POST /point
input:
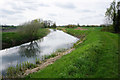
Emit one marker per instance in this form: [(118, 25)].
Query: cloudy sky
[(60, 11)]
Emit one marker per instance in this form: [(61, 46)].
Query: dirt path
[(48, 62), (79, 28), (9, 30)]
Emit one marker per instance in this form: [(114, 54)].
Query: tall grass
[(18, 70)]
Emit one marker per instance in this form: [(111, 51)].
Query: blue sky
[(60, 11)]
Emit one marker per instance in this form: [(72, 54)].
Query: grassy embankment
[(96, 57), (10, 39)]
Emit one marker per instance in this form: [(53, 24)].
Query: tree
[(118, 16), (47, 23), (54, 25), (112, 15), (78, 25)]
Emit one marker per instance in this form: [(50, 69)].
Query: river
[(55, 40)]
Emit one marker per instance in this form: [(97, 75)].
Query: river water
[(55, 40)]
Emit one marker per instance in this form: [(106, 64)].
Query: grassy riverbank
[(96, 57), (10, 39), (20, 70)]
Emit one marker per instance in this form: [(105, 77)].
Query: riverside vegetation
[(24, 33), (96, 57), (18, 71), (10, 39)]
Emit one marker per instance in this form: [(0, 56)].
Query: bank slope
[(96, 57), (11, 39)]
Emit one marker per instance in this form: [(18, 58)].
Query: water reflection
[(30, 50), (54, 29)]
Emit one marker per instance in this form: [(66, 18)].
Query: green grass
[(96, 57), (10, 39)]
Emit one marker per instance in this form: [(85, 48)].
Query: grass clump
[(50, 56), (18, 70), (56, 53), (38, 61)]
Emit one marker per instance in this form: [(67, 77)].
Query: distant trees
[(8, 27), (54, 25), (74, 26), (46, 23), (71, 26), (113, 15), (78, 25)]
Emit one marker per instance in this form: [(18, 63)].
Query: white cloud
[(60, 11), (66, 5)]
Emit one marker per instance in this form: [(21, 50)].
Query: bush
[(30, 29), (108, 29)]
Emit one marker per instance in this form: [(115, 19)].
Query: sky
[(63, 12)]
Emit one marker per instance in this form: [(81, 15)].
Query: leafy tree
[(54, 25), (112, 15)]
